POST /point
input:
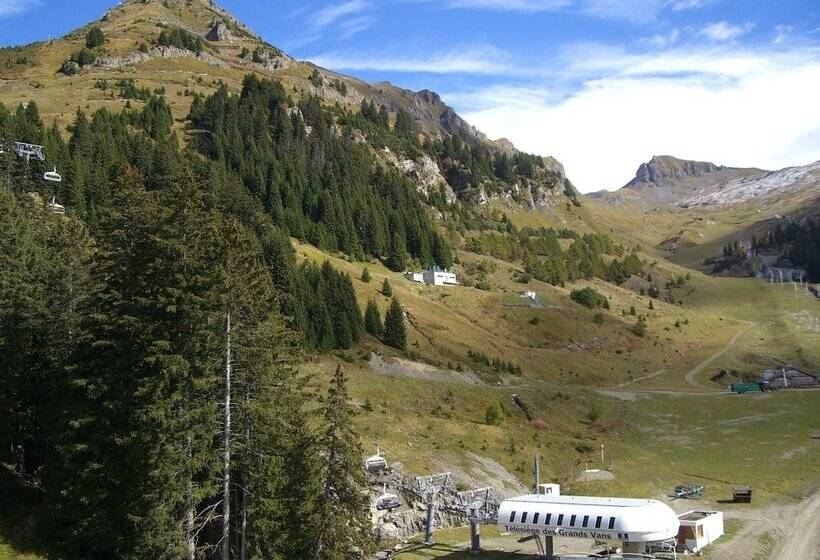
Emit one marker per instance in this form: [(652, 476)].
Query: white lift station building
[(637, 524)]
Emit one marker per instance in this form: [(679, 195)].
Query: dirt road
[(691, 375), (794, 528)]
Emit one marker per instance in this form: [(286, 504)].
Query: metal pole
[(431, 516), (475, 536), (537, 472), (548, 546)]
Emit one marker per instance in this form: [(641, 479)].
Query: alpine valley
[(206, 324)]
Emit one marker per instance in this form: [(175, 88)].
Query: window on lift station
[(524, 517), (598, 522), (611, 523), (586, 521), (547, 519), (560, 519), (512, 517), (572, 521), (535, 517)]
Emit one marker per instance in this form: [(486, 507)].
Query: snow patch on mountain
[(759, 186)]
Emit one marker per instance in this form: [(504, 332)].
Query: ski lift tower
[(428, 488), (480, 506), (27, 151)]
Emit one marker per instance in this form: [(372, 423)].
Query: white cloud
[(724, 31), (466, 60), (782, 33), (683, 5), (508, 5), (733, 108), (14, 7), (349, 17), (633, 10), (332, 13), (663, 40)]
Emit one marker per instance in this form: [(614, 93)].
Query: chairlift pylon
[(52, 176), (375, 463), (25, 150)]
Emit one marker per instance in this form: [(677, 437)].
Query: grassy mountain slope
[(427, 407)]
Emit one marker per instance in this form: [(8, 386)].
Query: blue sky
[(601, 84)]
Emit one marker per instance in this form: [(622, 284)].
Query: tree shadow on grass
[(446, 552)]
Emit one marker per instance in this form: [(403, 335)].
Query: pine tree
[(343, 528), (365, 275), (397, 251), (395, 334), (372, 319), (387, 289)]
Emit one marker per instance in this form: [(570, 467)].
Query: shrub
[(589, 297), (84, 57), (495, 415), (316, 78), (640, 327), (70, 68), (598, 319), (94, 38)]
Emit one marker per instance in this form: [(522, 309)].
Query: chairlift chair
[(56, 207), (52, 176), (387, 501), (375, 463)]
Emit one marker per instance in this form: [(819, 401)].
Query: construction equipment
[(688, 490)]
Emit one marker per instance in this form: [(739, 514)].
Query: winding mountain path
[(691, 375)]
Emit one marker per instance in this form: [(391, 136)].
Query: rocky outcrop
[(660, 170), (219, 33), (424, 172), (136, 57)]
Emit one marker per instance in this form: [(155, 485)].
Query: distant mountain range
[(666, 182)]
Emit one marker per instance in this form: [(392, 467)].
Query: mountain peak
[(661, 169)]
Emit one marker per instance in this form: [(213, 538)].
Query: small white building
[(440, 277), (434, 277), (699, 529)]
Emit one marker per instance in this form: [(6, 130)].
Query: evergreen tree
[(365, 275), (94, 38), (373, 319), (395, 334), (387, 289), (343, 521), (397, 251), (640, 327)]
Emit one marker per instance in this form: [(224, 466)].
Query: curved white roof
[(601, 518)]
